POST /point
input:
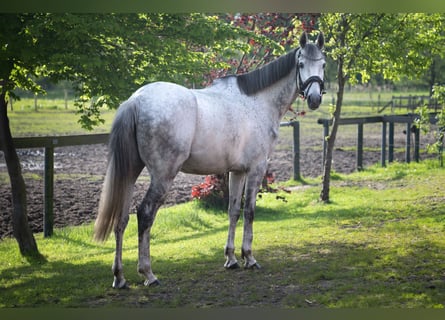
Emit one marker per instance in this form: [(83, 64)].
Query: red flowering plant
[(211, 184), (268, 179), (214, 191)]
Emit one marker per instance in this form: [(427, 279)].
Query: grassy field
[(379, 244), (51, 118)]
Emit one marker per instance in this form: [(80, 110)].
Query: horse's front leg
[(252, 187), (236, 186)]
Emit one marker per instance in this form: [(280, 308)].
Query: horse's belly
[(211, 164)]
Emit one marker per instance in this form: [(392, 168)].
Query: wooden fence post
[(383, 152), (49, 143), (416, 144), (296, 146), (391, 142), (48, 214), (296, 156), (408, 143), (325, 142), (359, 156)]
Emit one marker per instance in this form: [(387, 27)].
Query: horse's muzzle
[(314, 101)]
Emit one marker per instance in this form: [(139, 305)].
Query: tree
[(436, 73), (106, 57), (424, 122), (391, 44), (262, 37)]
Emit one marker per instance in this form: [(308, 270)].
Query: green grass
[(51, 118), (380, 243)]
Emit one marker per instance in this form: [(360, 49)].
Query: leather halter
[(302, 87)]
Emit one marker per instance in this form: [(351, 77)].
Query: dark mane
[(256, 80)]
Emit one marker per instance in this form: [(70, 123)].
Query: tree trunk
[(324, 195), (20, 226), (432, 80)]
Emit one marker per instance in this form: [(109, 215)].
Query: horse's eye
[(301, 65), (324, 65)]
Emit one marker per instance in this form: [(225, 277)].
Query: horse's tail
[(119, 180)]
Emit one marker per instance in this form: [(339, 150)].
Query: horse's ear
[(303, 40), (320, 40)]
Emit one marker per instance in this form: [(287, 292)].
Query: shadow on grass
[(324, 212), (52, 284), (338, 270), (326, 274)]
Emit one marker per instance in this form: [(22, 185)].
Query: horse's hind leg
[(119, 280), (146, 214)]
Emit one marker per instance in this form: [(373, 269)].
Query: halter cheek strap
[(302, 87)]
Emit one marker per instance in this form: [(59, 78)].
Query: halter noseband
[(302, 87)]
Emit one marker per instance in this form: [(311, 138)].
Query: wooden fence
[(49, 143), (386, 121), (411, 103)]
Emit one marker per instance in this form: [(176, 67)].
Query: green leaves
[(394, 45), (438, 130), (108, 56)]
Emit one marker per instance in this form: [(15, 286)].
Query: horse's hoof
[(231, 266), (256, 265), (154, 283), (122, 285)]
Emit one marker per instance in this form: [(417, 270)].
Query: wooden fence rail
[(411, 103)]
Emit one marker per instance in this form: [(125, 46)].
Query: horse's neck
[(280, 95)]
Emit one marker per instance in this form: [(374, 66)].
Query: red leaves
[(270, 177), (309, 21), (301, 113), (211, 184)]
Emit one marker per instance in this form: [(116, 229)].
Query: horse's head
[(310, 70)]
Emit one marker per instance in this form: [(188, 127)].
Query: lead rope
[(297, 112)]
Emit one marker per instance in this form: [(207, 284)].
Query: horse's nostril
[(313, 101)]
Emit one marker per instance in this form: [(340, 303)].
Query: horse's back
[(164, 98)]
